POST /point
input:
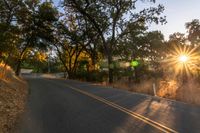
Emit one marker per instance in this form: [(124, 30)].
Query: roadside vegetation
[(108, 42), (13, 94)]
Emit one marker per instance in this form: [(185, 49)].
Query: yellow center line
[(129, 112)]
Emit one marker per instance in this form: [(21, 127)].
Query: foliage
[(194, 31), (89, 39), (28, 25), (107, 20)]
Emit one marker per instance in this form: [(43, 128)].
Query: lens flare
[(183, 59)]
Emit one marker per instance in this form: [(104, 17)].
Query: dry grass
[(13, 92), (131, 86), (188, 92), (6, 72), (168, 89)]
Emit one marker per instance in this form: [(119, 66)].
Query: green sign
[(134, 63)]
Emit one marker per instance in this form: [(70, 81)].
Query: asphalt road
[(67, 106)]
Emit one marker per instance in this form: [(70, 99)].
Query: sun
[(183, 58)]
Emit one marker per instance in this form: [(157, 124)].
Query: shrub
[(5, 71)]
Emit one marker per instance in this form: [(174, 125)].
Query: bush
[(93, 76), (5, 71)]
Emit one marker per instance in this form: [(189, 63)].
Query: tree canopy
[(89, 37)]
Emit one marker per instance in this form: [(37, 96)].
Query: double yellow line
[(129, 112)]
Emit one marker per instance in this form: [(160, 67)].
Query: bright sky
[(178, 12)]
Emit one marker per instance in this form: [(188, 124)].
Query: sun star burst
[(184, 59)]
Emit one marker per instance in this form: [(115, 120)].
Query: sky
[(177, 13)]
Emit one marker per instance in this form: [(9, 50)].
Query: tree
[(107, 19), (139, 45), (36, 59), (8, 28), (69, 56), (92, 44), (35, 21), (73, 38), (155, 45), (67, 41), (177, 39), (8, 41), (193, 29), (131, 44), (8, 10)]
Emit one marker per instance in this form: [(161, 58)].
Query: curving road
[(67, 106)]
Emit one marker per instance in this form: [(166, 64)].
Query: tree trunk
[(93, 62), (17, 72), (19, 61), (110, 68), (136, 71), (70, 75), (93, 65)]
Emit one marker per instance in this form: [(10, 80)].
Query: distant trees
[(93, 27), (8, 28), (25, 25), (191, 39), (107, 19), (69, 41), (194, 31), (35, 21), (82, 34)]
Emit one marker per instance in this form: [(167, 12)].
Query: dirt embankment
[(13, 94)]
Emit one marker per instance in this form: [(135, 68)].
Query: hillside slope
[(13, 93)]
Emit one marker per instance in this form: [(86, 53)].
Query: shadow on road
[(53, 107)]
